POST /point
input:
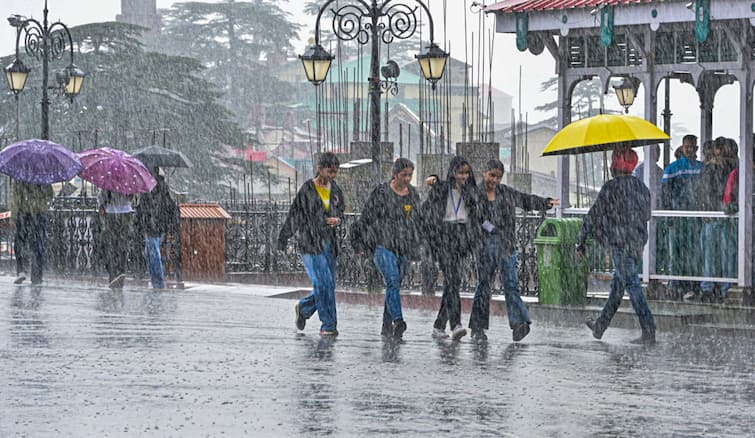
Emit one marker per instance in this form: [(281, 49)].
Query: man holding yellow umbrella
[(619, 216)]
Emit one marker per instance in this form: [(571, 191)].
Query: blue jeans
[(154, 261), (490, 259), (717, 249), (625, 277), (321, 269), (392, 267), (31, 233)]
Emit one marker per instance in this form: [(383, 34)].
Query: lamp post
[(371, 22), (626, 91), (48, 42)]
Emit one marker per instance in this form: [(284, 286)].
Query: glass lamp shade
[(625, 93), (316, 61), (75, 81), (432, 62), (16, 74)]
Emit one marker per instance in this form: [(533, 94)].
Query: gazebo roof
[(511, 6)]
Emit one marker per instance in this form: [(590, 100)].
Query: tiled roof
[(511, 6), (203, 211)]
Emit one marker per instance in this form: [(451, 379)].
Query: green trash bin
[(562, 275)]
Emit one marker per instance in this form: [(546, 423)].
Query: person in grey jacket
[(618, 220)]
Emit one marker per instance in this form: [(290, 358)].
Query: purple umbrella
[(39, 162), (116, 171)]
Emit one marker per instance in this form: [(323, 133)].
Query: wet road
[(81, 361)]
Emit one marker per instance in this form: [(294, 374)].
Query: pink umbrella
[(116, 171)]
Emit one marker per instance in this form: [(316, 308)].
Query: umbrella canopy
[(156, 156), (39, 162), (603, 132), (116, 171)]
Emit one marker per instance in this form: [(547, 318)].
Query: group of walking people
[(154, 215), (457, 219)]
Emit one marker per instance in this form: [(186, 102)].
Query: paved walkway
[(225, 360)]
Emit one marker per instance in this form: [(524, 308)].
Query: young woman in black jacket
[(497, 216), (389, 227), (313, 217), (449, 223)]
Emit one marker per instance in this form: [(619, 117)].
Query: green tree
[(232, 40), (128, 95), (585, 100)]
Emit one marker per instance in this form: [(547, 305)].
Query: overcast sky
[(449, 28)]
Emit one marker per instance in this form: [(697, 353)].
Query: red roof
[(203, 211), (510, 6), (252, 155)]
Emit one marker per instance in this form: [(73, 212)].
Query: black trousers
[(456, 247), (116, 238)]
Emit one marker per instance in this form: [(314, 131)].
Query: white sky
[(507, 58)]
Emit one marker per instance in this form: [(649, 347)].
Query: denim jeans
[(31, 229), (154, 261), (625, 277), (321, 269), (393, 268), (717, 250), (491, 258)]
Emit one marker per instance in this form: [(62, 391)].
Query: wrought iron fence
[(73, 248), (251, 238)]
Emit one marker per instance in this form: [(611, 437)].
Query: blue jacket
[(679, 184)]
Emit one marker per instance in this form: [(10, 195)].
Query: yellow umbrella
[(603, 132)]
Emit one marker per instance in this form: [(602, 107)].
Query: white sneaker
[(439, 334), (20, 278), (458, 333)]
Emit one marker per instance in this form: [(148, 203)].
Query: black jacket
[(306, 219), (618, 218), (157, 212), (434, 209), (502, 212), (390, 221)]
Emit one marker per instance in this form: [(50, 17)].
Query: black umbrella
[(156, 156)]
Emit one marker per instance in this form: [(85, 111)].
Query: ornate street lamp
[(372, 22), (626, 91), (48, 42)]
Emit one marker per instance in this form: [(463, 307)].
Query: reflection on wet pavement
[(85, 361)]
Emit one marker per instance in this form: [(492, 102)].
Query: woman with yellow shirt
[(313, 217)]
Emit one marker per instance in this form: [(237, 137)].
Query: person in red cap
[(618, 221)]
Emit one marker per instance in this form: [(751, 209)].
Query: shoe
[(479, 335), (329, 332), (458, 333), (20, 278), (399, 327), (386, 331), (117, 282), (300, 320), (643, 340), (591, 325), (439, 334), (520, 331)]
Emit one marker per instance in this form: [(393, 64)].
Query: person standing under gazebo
[(29, 208)]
